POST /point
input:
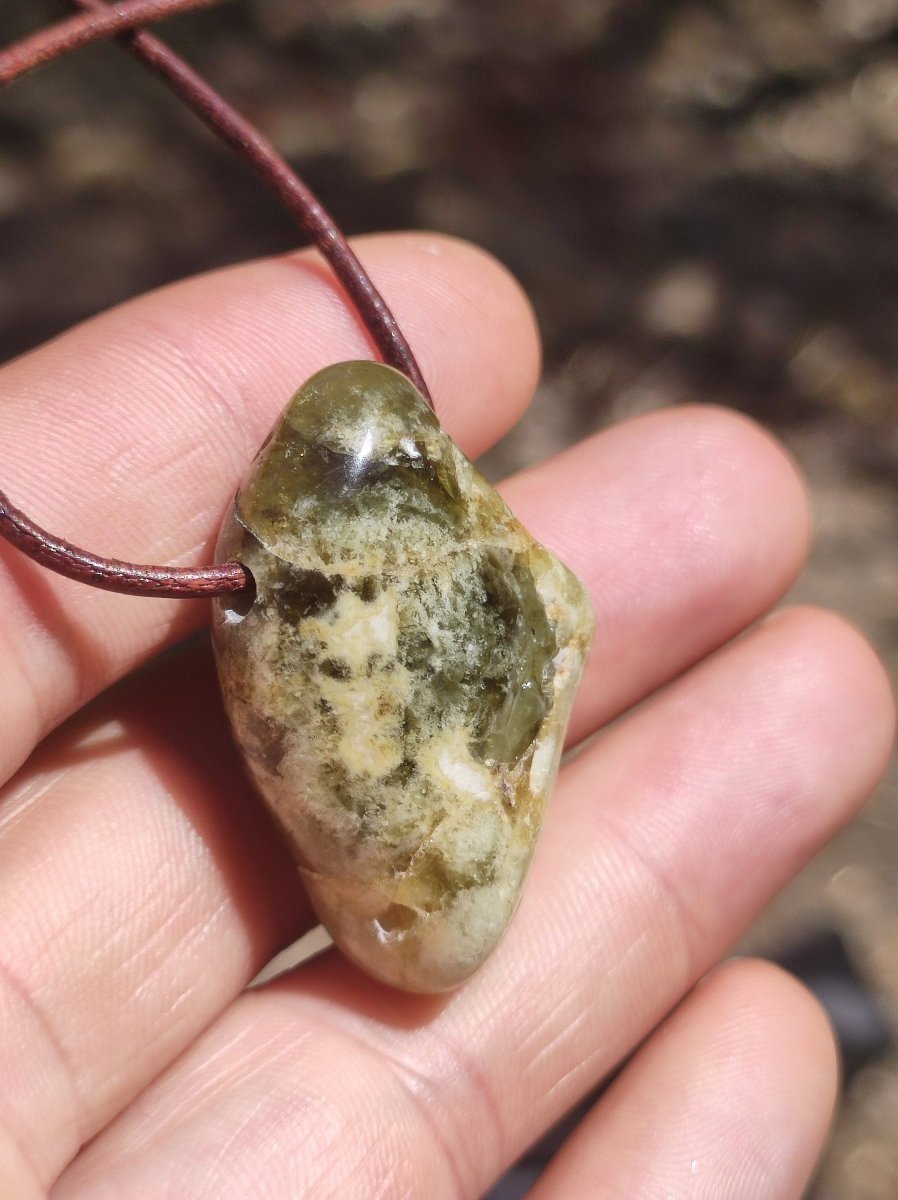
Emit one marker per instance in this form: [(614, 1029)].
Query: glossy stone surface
[(401, 684)]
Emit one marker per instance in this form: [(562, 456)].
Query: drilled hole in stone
[(237, 605), (395, 922)]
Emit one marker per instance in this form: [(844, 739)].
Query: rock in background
[(700, 198)]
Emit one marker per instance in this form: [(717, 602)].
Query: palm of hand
[(141, 887)]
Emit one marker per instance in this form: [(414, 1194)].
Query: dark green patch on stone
[(403, 773), (445, 884), (517, 688), (335, 668), (302, 474), (267, 739), (306, 593), (367, 589), (491, 669), (363, 393)]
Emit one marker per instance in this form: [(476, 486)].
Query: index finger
[(129, 434)]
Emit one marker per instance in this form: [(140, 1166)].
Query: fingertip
[(852, 693), (773, 1016), (784, 1053), (733, 1094), (720, 490), (752, 472), (684, 525)]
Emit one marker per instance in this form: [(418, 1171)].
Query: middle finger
[(131, 850)]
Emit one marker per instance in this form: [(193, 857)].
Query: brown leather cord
[(95, 23), (101, 20), (112, 574)]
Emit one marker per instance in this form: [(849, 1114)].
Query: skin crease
[(141, 885)]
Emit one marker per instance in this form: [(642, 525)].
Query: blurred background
[(701, 199)]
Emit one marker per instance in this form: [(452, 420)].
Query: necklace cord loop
[(95, 20)]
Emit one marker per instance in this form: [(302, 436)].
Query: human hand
[(142, 886)]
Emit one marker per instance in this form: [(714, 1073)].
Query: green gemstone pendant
[(401, 683)]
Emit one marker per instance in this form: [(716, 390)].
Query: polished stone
[(401, 683)]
